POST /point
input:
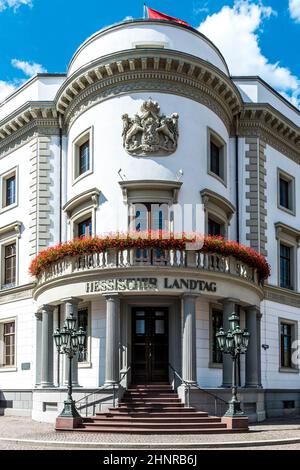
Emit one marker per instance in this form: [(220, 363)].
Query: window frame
[(289, 237), (81, 139), (294, 337), (10, 368), (88, 363), (3, 179), (212, 364), (281, 174), (218, 141), (3, 244), (81, 217)]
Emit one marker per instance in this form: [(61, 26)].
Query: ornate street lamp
[(234, 342), (70, 342)]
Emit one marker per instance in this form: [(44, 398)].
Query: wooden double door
[(150, 344)]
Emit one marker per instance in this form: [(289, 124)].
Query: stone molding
[(91, 195), (209, 195), (40, 194), (281, 295), (151, 190), (16, 293), (14, 227), (256, 196), (263, 121), (293, 233), (154, 66)]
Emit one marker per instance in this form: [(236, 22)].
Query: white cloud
[(28, 68), (6, 88), (294, 7), (14, 4), (235, 31)]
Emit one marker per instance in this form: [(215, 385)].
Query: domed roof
[(147, 33)]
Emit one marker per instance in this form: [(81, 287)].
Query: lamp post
[(70, 342), (234, 342)]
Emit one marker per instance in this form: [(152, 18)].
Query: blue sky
[(40, 35)]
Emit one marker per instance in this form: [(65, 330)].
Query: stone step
[(155, 412), (134, 430), (159, 419), (166, 426), (179, 408), (150, 399), (151, 404)]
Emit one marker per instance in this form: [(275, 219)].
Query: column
[(258, 335), (252, 354), (38, 348), (112, 367), (189, 369), (228, 310), (47, 346), (71, 308)]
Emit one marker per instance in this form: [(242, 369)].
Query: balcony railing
[(140, 257)]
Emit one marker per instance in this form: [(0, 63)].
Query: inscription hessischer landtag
[(150, 284)]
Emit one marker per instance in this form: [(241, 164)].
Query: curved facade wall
[(109, 155), (117, 38)]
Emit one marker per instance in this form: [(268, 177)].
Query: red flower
[(150, 239)]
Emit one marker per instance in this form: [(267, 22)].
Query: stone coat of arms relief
[(150, 132)]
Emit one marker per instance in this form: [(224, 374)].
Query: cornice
[(138, 69), (209, 195), (281, 295), (276, 129), (24, 120), (89, 195)]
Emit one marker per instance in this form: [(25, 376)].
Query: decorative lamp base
[(69, 418), (236, 423)]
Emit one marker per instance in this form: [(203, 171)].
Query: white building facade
[(75, 161)]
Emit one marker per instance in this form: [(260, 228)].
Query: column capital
[(112, 296), (192, 295), (71, 300), (253, 308), (38, 315), (230, 300), (46, 308)]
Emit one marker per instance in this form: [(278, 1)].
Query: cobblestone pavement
[(25, 428)]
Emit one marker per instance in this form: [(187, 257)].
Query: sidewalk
[(23, 433)]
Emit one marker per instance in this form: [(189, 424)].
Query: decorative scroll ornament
[(149, 132)]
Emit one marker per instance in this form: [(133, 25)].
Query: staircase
[(153, 409)]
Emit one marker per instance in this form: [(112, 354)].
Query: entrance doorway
[(150, 344)]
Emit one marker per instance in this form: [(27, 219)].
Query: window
[(285, 266), (148, 216), (216, 156), (286, 192), (84, 157), (214, 228), (286, 345), (83, 318), (217, 323), (8, 341), (10, 190), (85, 228), (10, 264)]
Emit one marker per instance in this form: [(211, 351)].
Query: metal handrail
[(195, 385), (104, 387)]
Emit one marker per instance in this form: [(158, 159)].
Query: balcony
[(145, 258), (172, 266)]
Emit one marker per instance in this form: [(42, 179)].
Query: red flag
[(154, 14)]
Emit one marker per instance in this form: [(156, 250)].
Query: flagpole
[(145, 11)]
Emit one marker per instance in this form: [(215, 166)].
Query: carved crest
[(149, 132)]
